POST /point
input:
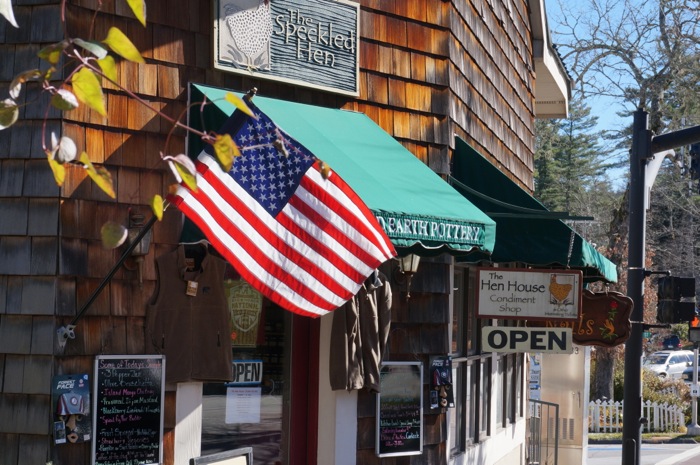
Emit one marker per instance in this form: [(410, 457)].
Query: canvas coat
[(359, 335), (193, 331)]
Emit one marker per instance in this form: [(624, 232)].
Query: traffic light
[(695, 161), (676, 300)]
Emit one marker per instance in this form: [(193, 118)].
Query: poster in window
[(400, 409), (245, 306)]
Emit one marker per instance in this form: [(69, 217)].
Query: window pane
[(456, 415), (485, 395), (251, 415)]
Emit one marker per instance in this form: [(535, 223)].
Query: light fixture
[(408, 266), (137, 221)]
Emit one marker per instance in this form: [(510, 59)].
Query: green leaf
[(16, 84), (113, 235), (226, 150), (121, 45), (93, 47), (52, 53), (157, 206), (239, 103), (64, 100), (100, 176), (138, 7), (9, 112), (108, 67), (6, 11), (59, 171), (88, 90)]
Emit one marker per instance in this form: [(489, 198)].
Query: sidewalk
[(688, 457)]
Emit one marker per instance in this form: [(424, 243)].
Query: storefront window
[(250, 412)]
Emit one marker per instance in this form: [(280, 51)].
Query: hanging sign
[(527, 294), (512, 339), (312, 43), (604, 320)]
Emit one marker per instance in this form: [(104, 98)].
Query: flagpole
[(68, 332)]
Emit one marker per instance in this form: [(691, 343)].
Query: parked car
[(672, 342), (669, 363), (687, 375)]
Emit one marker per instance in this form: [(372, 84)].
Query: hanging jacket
[(188, 318), (359, 335)]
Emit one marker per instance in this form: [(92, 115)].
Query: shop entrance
[(271, 404)]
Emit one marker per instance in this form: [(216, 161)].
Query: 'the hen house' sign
[(528, 294)]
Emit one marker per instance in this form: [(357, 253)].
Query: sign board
[(242, 456), (128, 409), (695, 390), (246, 373), (512, 339), (604, 320), (400, 409), (312, 43), (527, 294)]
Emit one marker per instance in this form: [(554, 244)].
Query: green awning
[(526, 231), (420, 212)]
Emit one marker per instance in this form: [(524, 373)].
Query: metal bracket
[(64, 333)]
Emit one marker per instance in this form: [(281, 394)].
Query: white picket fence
[(606, 417)]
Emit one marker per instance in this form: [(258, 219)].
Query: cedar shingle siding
[(429, 69)]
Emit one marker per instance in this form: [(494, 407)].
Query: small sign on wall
[(527, 294), (312, 43)]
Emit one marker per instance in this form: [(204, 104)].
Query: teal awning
[(420, 212), (526, 231)]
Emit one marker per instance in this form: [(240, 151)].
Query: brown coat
[(194, 332), (359, 335)]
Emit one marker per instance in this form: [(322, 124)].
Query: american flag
[(304, 241)]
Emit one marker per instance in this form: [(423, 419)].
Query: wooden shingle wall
[(429, 69), (432, 69)]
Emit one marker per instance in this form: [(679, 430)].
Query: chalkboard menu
[(128, 409), (400, 409)]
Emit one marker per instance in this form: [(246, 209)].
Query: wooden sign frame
[(242, 456), (399, 408), (128, 399)]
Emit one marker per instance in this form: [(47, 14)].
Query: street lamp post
[(632, 406), (644, 146)]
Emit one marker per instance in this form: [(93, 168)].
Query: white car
[(669, 363)]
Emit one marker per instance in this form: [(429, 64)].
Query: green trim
[(526, 231), (419, 210)]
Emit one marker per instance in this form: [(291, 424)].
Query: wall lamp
[(136, 223), (408, 266)]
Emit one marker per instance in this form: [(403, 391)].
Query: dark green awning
[(526, 231), (420, 212)]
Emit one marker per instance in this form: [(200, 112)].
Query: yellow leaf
[(113, 235), (100, 176), (59, 171), (138, 7), (239, 103), (87, 88), (157, 206), (121, 45), (9, 112), (52, 53), (226, 150), (186, 176), (108, 67)]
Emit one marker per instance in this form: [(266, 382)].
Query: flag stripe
[(273, 259), (225, 245), (340, 264), (305, 242)]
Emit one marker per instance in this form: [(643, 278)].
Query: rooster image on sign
[(560, 287), (249, 23)]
